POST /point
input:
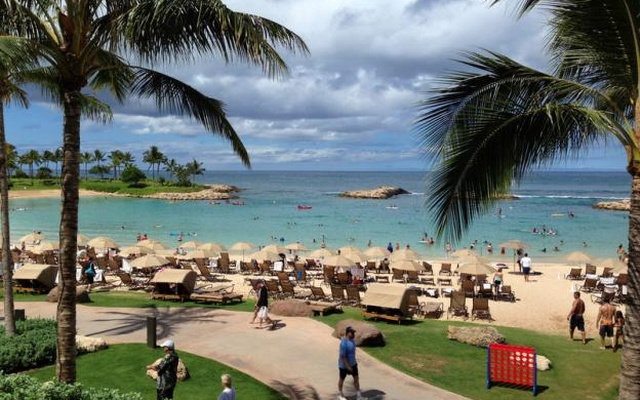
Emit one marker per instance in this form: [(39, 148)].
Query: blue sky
[(349, 105)]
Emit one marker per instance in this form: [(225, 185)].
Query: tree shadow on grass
[(166, 319)]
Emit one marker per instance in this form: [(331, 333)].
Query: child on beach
[(618, 325)]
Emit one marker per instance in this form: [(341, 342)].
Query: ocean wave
[(570, 197)]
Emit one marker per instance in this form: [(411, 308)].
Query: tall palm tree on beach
[(194, 168), (99, 157), (86, 158), (32, 158), (87, 43), (534, 118), (154, 157), (170, 166)]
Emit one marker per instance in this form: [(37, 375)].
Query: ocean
[(270, 214)]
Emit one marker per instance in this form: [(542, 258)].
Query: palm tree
[(116, 161), (154, 158), (57, 158), (170, 166), (86, 42), (86, 158), (31, 158), (47, 157), (99, 157), (127, 159), (194, 168), (534, 118), (12, 159)]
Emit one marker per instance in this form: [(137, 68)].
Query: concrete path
[(300, 352)]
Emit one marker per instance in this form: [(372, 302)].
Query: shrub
[(33, 345), (18, 173), (24, 387), (132, 175)]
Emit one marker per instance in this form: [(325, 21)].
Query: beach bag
[(263, 312), (90, 271)]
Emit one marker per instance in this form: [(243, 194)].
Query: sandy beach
[(38, 194)]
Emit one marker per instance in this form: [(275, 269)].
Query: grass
[(143, 300), (123, 367), (421, 349), (105, 185)]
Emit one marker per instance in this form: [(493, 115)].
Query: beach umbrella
[(190, 245), (617, 265), (32, 237), (376, 253), (338, 261), (578, 257), (149, 261), (45, 246), (241, 246), (102, 242), (151, 244), (321, 253), (464, 253), (348, 249), (135, 250), (356, 256), (218, 248), (82, 239), (476, 268), (263, 255), (275, 248), (404, 254), (514, 244), (295, 246), (202, 253), (407, 265)]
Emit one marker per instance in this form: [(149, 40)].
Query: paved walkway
[(300, 352)]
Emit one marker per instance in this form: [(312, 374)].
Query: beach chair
[(428, 268), (506, 293), (413, 306), (266, 267), (607, 294), (457, 305), (283, 277), (428, 281), (589, 285), (311, 263), (432, 309), (590, 269), (371, 266), (337, 294), (480, 309), (431, 292), (468, 287), (318, 294), (130, 283), (445, 269), (205, 274), (575, 274), (343, 278), (607, 272), (485, 290), (286, 289), (412, 277), (397, 275), (273, 288), (329, 274), (353, 295)]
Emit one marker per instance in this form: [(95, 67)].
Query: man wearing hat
[(347, 363), (167, 371)]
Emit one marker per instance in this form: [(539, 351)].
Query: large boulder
[(86, 344), (481, 336), (291, 308), (82, 295), (182, 373), (367, 335)]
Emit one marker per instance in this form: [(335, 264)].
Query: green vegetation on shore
[(123, 367), (143, 188)]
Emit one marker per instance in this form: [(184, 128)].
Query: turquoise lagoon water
[(270, 213)]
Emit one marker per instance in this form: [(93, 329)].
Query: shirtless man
[(575, 317), (605, 322)]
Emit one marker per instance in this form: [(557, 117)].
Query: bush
[(18, 173), (33, 345), (43, 173), (132, 175), (24, 387)]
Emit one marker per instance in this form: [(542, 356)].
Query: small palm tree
[(490, 123), (154, 157), (86, 158), (194, 168), (170, 166), (117, 159), (99, 157), (31, 158)]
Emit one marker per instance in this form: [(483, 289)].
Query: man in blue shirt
[(347, 363)]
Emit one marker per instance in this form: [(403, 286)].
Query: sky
[(348, 105)]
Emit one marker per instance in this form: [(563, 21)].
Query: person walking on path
[(167, 371), (576, 317), (228, 391), (262, 306), (605, 321), (525, 263), (347, 363)]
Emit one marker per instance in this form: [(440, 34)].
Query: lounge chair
[(287, 289), (607, 272), (329, 275), (431, 292), (485, 290), (132, 284), (353, 295), (468, 287), (427, 281), (575, 274), (413, 306), (457, 305), (266, 267), (431, 309), (371, 266), (318, 294), (337, 294), (445, 269), (480, 308), (219, 294), (273, 289), (589, 285), (428, 268), (412, 277), (444, 281), (205, 274), (398, 275), (282, 276), (343, 278), (590, 269), (608, 294), (311, 263), (506, 293)]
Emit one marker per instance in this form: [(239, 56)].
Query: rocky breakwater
[(212, 192), (622, 205), (382, 192)]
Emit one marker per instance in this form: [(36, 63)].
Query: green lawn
[(421, 349), (123, 367), (105, 185)]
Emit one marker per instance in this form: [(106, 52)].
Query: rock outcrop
[(367, 335), (542, 363), (622, 205), (476, 336), (82, 295), (382, 192), (212, 192), (291, 308), (86, 344)]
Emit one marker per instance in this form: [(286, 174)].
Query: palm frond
[(485, 129), (176, 97), (110, 72), (179, 29)]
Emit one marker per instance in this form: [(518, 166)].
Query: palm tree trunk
[(630, 371), (66, 312), (7, 260)]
